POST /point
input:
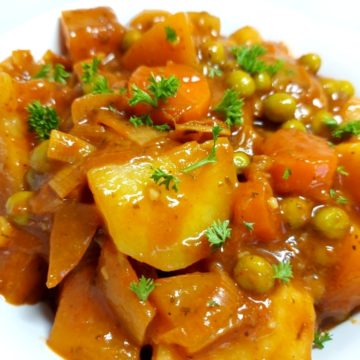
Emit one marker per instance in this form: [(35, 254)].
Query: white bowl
[(330, 28)]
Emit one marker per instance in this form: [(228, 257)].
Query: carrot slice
[(73, 229), (191, 101), (154, 49), (304, 164), (253, 203)]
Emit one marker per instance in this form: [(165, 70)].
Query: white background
[(330, 28)]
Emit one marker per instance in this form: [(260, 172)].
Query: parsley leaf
[(145, 120), (42, 119), (211, 158), (212, 303), (249, 225), (143, 287), (231, 107), (287, 173), (218, 232), (159, 88), (341, 170), (348, 128), (247, 58), (90, 71), (60, 74), (101, 85), (43, 72), (214, 71), (283, 271), (162, 127), (330, 122), (171, 35), (340, 199), (320, 338), (163, 178)]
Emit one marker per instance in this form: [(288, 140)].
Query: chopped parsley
[(218, 232), (160, 88), (347, 129), (214, 71), (145, 120), (283, 271), (42, 119), (213, 303), (287, 173), (171, 35), (231, 106), (341, 170), (249, 225), (161, 177), (90, 71), (101, 85), (211, 158), (143, 287), (247, 58), (320, 338), (340, 199), (50, 73)]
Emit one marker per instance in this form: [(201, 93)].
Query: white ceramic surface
[(330, 28)]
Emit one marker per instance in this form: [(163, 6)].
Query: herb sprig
[(218, 233), (231, 106), (161, 177), (283, 271), (143, 288)]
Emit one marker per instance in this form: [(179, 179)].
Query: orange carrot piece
[(253, 204), (73, 228), (307, 159), (194, 309), (191, 101), (154, 49), (91, 31), (84, 326), (115, 276)]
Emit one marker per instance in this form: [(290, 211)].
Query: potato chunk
[(161, 227)]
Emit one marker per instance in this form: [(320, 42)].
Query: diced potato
[(138, 211), (153, 48), (166, 352), (84, 326), (195, 309), (286, 334), (349, 158), (91, 31), (73, 228), (115, 277), (342, 294), (22, 265)]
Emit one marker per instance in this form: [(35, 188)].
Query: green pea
[(214, 51), (311, 61), (241, 82), (319, 123), (38, 157), (262, 81), (17, 207), (331, 221), (130, 38), (296, 211), (246, 35), (346, 88), (254, 273), (241, 161), (279, 107), (294, 124)]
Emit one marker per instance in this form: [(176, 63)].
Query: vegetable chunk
[(91, 31), (138, 211), (304, 164), (154, 49), (84, 326), (195, 309), (190, 102)]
